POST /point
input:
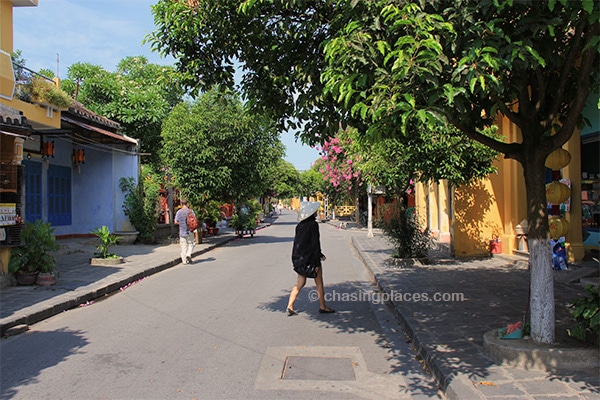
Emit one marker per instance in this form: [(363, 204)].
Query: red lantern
[(48, 149), (78, 156)]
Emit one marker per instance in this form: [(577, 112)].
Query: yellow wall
[(493, 207)]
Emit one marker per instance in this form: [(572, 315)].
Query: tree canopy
[(138, 95), (218, 151), (276, 47), (465, 62)]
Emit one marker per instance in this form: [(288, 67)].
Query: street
[(217, 329)]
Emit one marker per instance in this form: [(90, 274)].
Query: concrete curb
[(525, 354), (455, 387)]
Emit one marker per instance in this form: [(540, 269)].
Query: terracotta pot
[(26, 278), (46, 279)]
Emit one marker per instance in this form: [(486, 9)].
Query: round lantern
[(558, 227), (557, 192), (558, 159)]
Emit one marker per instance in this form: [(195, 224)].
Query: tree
[(465, 62), (312, 181), (138, 95), (378, 65), (277, 47), (218, 151), (284, 182)]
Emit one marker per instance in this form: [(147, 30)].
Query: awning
[(102, 134)]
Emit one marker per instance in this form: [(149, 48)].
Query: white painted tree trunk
[(542, 291)]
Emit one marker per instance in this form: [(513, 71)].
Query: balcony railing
[(33, 87)]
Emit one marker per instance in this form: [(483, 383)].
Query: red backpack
[(191, 221)]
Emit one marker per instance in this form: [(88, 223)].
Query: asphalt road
[(217, 329)]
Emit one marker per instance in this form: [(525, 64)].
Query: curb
[(454, 387), (76, 298)]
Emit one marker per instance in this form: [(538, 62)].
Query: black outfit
[(307, 245)]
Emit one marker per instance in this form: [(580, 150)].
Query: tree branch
[(510, 150), (588, 60)]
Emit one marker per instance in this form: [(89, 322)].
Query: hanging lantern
[(558, 227), (48, 149), (558, 159), (78, 156), (557, 192)]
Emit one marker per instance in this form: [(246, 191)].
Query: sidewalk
[(80, 283), (448, 335)]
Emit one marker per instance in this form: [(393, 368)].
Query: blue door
[(59, 195), (33, 190)]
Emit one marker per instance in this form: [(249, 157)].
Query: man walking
[(187, 239)]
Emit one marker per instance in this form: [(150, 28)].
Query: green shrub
[(401, 225), (246, 215), (33, 255), (106, 240), (141, 208), (587, 317)]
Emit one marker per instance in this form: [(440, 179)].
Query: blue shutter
[(59, 195), (33, 190)]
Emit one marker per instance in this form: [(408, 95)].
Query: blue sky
[(101, 32)]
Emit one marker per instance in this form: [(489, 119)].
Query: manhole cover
[(318, 368)]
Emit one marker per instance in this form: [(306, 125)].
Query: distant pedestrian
[(306, 253), (187, 239)]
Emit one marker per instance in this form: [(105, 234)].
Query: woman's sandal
[(326, 310), (291, 312)]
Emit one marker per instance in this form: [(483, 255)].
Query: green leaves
[(217, 150), (587, 316)]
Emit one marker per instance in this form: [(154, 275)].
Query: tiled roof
[(12, 118), (79, 110)]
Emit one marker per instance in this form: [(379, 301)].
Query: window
[(59, 195), (33, 190)]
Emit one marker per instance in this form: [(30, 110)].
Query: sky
[(101, 32)]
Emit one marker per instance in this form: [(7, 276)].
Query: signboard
[(8, 214)]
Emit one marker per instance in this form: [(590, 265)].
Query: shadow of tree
[(24, 358), (459, 302), (354, 315), (471, 207)]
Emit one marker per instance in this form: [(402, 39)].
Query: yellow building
[(469, 217)]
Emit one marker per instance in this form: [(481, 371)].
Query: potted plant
[(107, 239), (47, 92), (34, 255), (212, 213), (244, 221)]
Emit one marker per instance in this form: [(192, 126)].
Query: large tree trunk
[(540, 254)]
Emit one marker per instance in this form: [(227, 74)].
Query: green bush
[(246, 215), (401, 225), (33, 255), (587, 317), (107, 239), (141, 208)]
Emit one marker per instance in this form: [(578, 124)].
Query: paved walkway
[(447, 334)]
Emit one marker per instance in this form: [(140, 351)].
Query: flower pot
[(126, 237), (107, 261), (46, 279), (26, 278), (518, 334), (212, 230)]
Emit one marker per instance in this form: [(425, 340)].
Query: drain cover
[(318, 368)]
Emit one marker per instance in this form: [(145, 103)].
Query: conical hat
[(308, 208)]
